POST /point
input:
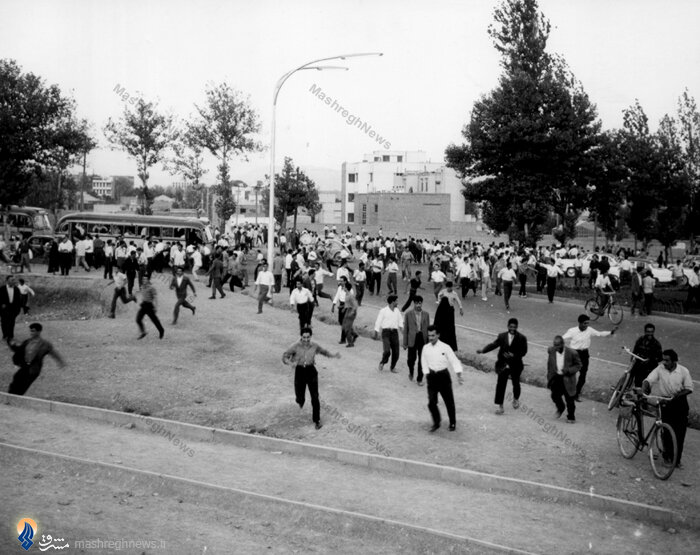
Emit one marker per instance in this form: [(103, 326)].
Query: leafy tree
[(673, 183), (689, 134), (640, 158), (528, 139), (607, 182), (144, 134), (293, 190), (123, 186), (225, 125), (39, 135)]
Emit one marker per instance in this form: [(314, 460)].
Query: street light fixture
[(282, 80)]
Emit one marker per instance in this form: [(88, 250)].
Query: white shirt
[(693, 280), (438, 276), (507, 274), (582, 339), (439, 357), (603, 282), (342, 271), (340, 295), (265, 278), (300, 296), (65, 246), (359, 276), (388, 319), (672, 382), (560, 362)]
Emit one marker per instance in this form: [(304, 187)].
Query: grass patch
[(66, 299)]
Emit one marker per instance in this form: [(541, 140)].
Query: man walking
[(648, 348), (216, 274), (580, 337), (303, 300), (674, 381), (512, 348), (10, 306), (389, 322), (414, 285), (350, 315), (29, 356), (180, 283), (264, 284), (302, 355), (148, 308), (562, 366), (415, 334), (437, 358)]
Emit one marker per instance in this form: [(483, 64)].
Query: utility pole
[(82, 184)]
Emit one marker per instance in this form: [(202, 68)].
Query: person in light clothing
[(674, 381), (264, 284), (436, 359), (389, 322), (580, 337)]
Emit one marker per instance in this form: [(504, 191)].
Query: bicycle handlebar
[(633, 355), (640, 391)]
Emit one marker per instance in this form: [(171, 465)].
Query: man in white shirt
[(603, 289), (674, 381), (436, 359), (438, 278), (389, 322), (303, 300), (264, 285), (693, 287), (580, 337)]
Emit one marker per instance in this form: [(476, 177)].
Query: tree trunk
[(296, 208)]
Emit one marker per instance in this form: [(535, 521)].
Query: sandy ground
[(223, 368)]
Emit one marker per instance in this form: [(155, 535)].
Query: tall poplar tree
[(529, 141)]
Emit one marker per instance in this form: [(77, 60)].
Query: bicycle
[(625, 381), (661, 440), (613, 309)]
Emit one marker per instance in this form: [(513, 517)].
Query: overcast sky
[(438, 59)]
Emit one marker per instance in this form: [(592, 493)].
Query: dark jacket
[(517, 349), (7, 309), (410, 327), (572, 365)]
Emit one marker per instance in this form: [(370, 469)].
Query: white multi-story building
[(103, 187), (397, 171)]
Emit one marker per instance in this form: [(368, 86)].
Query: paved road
[(540, 321)]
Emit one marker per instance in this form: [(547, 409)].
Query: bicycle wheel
[(628, 435), (662, 451), (623, 385), (592, 308), (615, 313)]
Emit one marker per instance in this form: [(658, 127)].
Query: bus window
[(115, 230), (167, 233), (129, 229), (64, 229), (41, 222), (100, 229), (153, 231)]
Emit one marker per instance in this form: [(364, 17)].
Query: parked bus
[(134, 226), (25, 221)]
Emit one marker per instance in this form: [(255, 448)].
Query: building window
[(385, 158), (399, 158), (376, 208), (377, 158), (351, 218), (351, 197), (371, 177), (352, 177)]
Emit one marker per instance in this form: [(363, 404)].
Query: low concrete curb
[(403, 467), (308, 515)]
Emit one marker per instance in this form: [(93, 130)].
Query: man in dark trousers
[(674, 381), (562, 366), (302, 356), (29, 356), (10, 306), (437, 358), (415, 334), (131, 268), (180, 283), (512, 347), (148, 308)]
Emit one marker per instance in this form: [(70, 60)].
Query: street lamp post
[(282, 80)]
